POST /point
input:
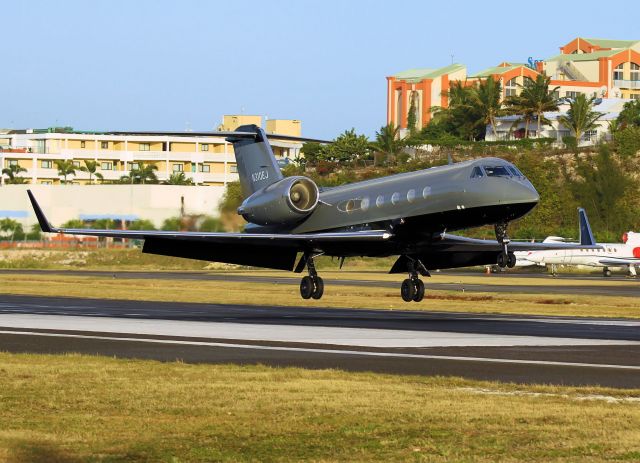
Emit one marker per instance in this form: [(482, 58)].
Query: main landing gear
[(412, 288), (311, 286), (505, 258)]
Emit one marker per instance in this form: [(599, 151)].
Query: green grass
[(221, 292), (80, 408)]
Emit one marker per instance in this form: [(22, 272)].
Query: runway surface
[(572, 351), (585, 286)]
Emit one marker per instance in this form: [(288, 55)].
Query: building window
[(635, 72), (13, 162), (233, 169), (204, 147), (76, 164), (46, 164), (134, 166), (635, 96), (571, 94), (46, 182), (106, 165), (144, 147), (204, 168), (511, 89), (83, 144), (618, 72), (178, 167), (590, 135), (104, 145)]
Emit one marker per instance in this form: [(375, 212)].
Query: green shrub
[(628, 141)]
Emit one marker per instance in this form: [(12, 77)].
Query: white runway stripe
[(329, 351), (361, 337)]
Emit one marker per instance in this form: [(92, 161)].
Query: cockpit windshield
[(497, 171)]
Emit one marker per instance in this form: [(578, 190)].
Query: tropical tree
[(412, 117), (141, 224), (91, 167), (144, 173), (11, 227), (12, 173), (348, 147), (462, 118), (518, 106), (178, 178), (581, 117), (65, 168), (486, 98), (630, 115), (536, 98), (388, 141), (74, 223)]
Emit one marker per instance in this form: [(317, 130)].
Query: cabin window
[(411, 195), (395, 198), (426, 192), (477, 172), (497, 171), (380, 201), (364, 204)]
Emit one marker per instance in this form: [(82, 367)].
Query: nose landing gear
[(505, 258)]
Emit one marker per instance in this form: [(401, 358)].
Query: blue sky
[(160, 65)]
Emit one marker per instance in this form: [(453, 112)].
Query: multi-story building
[(207, 160), (605, 68)]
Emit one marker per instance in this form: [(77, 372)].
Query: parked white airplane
[(620, 255)]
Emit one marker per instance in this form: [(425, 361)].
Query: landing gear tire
[(318, 289), (502, 260), (511, 260), (408, 290), (419, 287), (307, 288), (606, 272)]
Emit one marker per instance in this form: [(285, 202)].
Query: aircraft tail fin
[(257, 166), (586, 236)]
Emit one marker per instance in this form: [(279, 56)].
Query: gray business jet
[(407, 215)]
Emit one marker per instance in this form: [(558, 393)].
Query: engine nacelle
[(285, 202)]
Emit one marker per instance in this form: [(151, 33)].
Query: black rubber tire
[(419, 295), (318, 289), (511, 260), (606, 272), (407, 290), (306, 287), (502, 260)]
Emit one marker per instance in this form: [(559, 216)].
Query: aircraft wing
[(277, 251), (613, 261), (453, 251)]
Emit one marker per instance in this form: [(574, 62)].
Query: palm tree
[(538, 99), (486, 98), (581, 117), (12, 172), (91, 167), (178, 178), (65, 168), (518, 106), (388, 141), (144, 173)]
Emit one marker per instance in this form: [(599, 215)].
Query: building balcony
[(626, 83), (115, 175)]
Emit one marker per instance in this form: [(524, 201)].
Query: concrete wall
[(65, 202)]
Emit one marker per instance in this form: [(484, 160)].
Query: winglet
[(42, 220), (586, 236)]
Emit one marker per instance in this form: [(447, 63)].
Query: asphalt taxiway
[(523, 349), (579, 285)]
